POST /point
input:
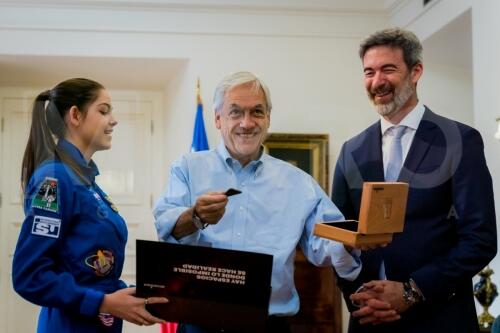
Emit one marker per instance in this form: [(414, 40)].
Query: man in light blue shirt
[(277, 209)]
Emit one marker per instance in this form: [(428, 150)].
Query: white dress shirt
[(411, 121)]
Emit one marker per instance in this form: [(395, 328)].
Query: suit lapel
[(424, 136), (368, 156)]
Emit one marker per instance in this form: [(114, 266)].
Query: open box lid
[(383, 207)]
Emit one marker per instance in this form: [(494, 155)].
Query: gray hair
[(399, 38), (237, 79)]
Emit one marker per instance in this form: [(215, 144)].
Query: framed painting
[(308, 152)]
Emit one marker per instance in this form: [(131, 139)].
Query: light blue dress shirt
[(277, 209)]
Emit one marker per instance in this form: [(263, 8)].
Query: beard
[(401, 96)]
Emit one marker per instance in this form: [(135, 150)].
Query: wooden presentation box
[(382, 213)]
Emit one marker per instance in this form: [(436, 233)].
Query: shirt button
[(242, 184), (239, 234), (241, 208)]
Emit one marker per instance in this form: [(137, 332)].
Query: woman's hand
[(123, 304)]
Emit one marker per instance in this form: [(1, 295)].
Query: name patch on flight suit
[(46, 197), (46, 226)]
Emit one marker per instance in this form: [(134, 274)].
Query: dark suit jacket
[(450, 226)]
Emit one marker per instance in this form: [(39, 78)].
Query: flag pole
[(198, 92)]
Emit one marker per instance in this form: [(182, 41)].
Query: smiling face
[(243, 122), (390, 85), (94, 128)]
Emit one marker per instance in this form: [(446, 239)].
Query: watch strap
[(411, 293), (198, 222)]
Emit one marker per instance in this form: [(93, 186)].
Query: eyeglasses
[(238, 114)]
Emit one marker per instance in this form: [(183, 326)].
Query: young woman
[(71, 249)]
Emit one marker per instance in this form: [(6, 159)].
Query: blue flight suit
[(71, 248)]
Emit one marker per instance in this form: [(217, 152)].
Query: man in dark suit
[(422, 281)]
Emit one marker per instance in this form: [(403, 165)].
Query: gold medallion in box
[(382, 213)]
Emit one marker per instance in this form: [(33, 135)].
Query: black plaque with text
[(215, 288)]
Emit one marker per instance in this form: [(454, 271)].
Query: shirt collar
[(224, 154), (411, 120), (90, 170)]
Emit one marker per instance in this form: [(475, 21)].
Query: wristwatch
[(411, 293), (198, 223)]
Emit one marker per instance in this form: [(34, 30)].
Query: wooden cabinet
[(320, 299)]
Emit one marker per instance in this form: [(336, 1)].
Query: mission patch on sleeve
[(47, 196)]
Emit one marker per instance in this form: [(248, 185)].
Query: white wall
[(447, 91)]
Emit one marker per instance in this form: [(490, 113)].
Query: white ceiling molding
[(76, 17), (441, 25), (425, 21), (404, 12), (307, 7), (393, 6)]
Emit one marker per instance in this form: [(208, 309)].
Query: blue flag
[(200, 141)]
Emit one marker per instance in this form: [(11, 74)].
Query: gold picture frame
[(308, 152)]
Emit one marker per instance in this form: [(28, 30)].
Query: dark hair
[(47, 124), (402, 39)]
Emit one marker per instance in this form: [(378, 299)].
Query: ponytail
[(41, 144), (47, 125)]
